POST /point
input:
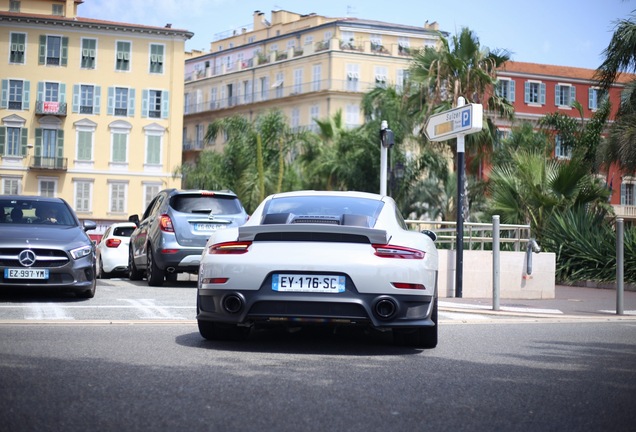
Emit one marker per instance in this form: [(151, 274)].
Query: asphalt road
[(163, 377)]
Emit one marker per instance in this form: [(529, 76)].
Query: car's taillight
[(165, 223), (389, 251), (113, 242), (403, 285), (214, 280), (236, 247)]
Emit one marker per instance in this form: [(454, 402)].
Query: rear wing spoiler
[(312, 232)]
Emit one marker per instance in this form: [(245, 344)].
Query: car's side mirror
[(430, 233), (89, 225), (134, 219)]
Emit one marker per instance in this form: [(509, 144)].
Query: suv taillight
[(165, 223)]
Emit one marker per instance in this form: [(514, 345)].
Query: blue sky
[(558, 32)]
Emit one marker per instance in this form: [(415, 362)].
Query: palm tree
[(620, 56), (529, 189)]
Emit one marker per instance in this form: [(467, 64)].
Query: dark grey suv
[(172, 232)]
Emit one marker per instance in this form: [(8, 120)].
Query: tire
[(89, 293), (133, 273), (420, 337), (211, 330), (155, 275), (101, 274)]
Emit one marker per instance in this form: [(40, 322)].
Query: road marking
[(452, 305), (39, 311), (150, 310), (625, 312)]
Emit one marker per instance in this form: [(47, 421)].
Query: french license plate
[(30, 273), (308, 283), (206, 227)]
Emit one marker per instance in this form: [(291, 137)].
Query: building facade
[(308, 66), (90, 111), (537, 89)]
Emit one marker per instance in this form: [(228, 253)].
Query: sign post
[(457, 123)]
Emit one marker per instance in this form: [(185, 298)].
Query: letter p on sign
[(466, 118)]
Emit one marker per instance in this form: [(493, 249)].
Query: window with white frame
[(327, 36), (505, 89), (17, 48), (153, 149), (85, 145), (381, 76), (86, 98), (352, 115), (561, 151), (309, 40), (376, 42), (534, 92), (155, 103), (316, 77), (213, 98), (295, 119), (198, 135), (10, 141), (53, 50), (117, 197), (291, 44), (14, 5), (83, 195), (264, 88), (57, 9), (89, 52), (279, 84), (347, 39), (122, 56), (11, 185), (401, 79), (314, 114), (564, 95), (150, 190), (47, 187), (121, 101), (628, 191), (51, 92), (156, 58), (15, 94), (298, 81), (352, 77), (593, 98), (119, 147)]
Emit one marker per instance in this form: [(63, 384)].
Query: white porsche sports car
[(320, 258)]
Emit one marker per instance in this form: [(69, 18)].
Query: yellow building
[(90, 111), (309, 66)]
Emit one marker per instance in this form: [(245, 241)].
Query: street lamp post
[(386, 142)]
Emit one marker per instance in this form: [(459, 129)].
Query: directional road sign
[(463, 120)]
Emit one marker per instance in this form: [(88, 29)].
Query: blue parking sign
[(466, 118)]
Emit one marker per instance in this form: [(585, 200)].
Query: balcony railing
[(48, 163), (625, 211), (50, 108), (192, 145)]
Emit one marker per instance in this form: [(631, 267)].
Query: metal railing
[(477, 235)]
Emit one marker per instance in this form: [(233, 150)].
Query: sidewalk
[(568, 301)]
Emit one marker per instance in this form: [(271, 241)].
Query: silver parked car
[(172, 232), (43, 244)]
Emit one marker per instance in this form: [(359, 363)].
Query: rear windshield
[(123, 231), (34, 212), (204, 204), (325, 206)]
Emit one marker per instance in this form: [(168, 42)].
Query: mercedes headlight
[(81, 252)]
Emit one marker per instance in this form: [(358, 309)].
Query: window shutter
[(37, 149), (26, 95), (165, 104), (97, 98), (512, 90), (623, 193), (590, 98), (557, 91), (572, 94), (64, 54), (40, 91), (23, 140), (3, 135), (131, 102), (144, 103), (62, 97), (542, 97), (60, 143), (526, 92), (76, 98), (4, 100), (110, 106), (42, 52)]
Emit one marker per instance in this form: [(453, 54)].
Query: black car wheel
[(156, 275), (420, 337), (101, 274), (133, 273)]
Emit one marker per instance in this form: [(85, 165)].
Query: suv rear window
[(193, 203)]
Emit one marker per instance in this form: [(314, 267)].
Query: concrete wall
[(514, 283)]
